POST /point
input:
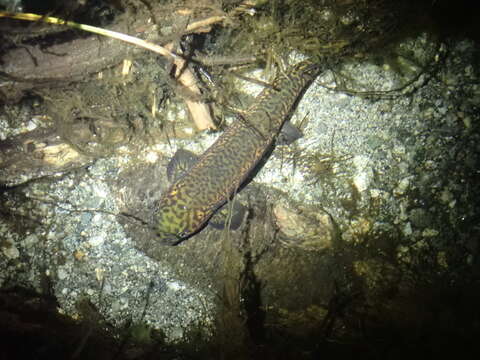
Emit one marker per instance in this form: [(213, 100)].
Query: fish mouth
[(168, 238)]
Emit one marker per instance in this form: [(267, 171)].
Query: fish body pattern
[(190, 202)]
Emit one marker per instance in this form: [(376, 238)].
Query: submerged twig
[(200, 111)]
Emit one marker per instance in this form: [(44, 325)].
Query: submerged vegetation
[(291, 277)]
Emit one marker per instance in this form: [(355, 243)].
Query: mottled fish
[(215, 177)]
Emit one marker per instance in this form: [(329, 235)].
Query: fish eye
[(182, 234)]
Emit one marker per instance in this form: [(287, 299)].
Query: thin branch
[(200, 111)]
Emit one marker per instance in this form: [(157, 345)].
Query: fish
[(185, 208)]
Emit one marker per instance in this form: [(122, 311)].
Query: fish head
[(178, 219)]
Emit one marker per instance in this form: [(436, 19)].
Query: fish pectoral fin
[(230, 215), (288, 134), (180, 163)]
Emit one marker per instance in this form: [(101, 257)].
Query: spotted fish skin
[(190, 202)]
